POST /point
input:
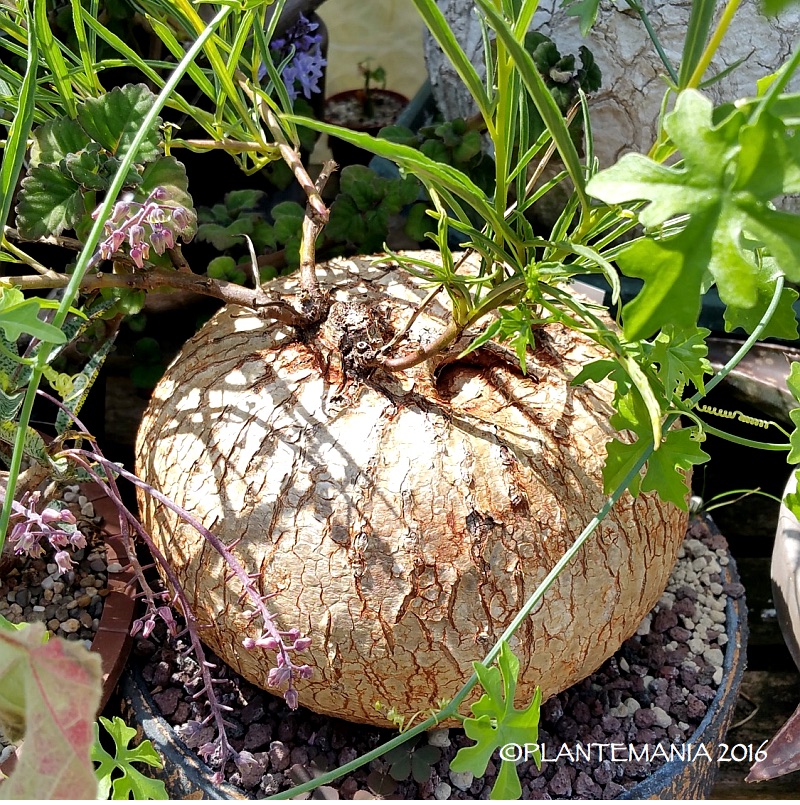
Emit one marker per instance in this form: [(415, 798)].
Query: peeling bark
[(400, 520)]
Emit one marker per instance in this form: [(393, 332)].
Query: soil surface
[(655, 690), (351, 110)]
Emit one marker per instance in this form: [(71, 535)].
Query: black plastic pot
[(186, 776)]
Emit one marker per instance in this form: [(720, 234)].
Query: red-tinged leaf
[(49, 694), (783, 753)]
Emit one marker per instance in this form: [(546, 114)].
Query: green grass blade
[(697, 31), (441, 32), (84, 48), (549, 111), (18, 132), (164, 33), (422, 166), (53, 57)]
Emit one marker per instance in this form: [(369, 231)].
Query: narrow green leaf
[(698, 28), (53, 57), (18, 132), (542, 99), (87, 59)]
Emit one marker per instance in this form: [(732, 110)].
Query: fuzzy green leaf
[(56, 138), (114, 119), (129, 783), (496, 722), (49, 203)]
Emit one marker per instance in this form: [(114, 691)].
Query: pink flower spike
[(64, 561)]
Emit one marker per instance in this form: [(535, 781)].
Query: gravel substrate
[(655, 690), (69, 604)]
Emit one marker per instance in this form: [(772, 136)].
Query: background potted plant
[(367, 110)]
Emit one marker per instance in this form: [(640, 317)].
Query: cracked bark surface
[(401, 521), (625, 110)]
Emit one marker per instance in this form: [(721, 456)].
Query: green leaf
[(49, 203), (678, 451), (681, 356), (116, 774), (288, 216), (18, 131), (114, 119), (584, 10), (496, 722), (793, 384), (19, 315), (621, 457), (239, 201), (596, 370), (56, 138), (730, 173), (55, 719)]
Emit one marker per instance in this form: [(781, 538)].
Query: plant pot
[(186, 776), (112, 640), (346, 109), (783, 752)]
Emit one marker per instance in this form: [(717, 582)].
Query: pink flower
[(64, 561), (302, 643), (278, 677), (290, 697)]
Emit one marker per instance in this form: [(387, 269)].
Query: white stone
[(442, 791), (644, 627), (662, 717), (87, 509), (114, 567), (717, 676), (623, 664), (696, 645), (440, 738), (714, 656), (462, 780)]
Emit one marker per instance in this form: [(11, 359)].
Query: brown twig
[(264, 305), (312, 226)]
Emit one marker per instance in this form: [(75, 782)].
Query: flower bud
[(249, 643), (149, 625), (136, 234), (78, 540), (51, 515), (136, 256), (159, 194), (269, 643), (290, 697), (305, 671), (302, 643), (181, 217), (120, 211), (136, 627)]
